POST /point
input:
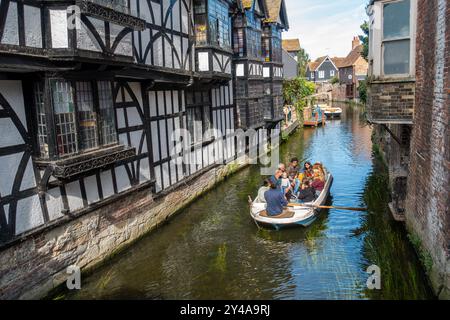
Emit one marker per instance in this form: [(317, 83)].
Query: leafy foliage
[(362, 89), (295, 90), (334, 80), (303, 59), (365, 39)]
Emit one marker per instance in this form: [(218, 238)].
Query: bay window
[(254, 33), (396, 37), (82, 114), (212, 23)]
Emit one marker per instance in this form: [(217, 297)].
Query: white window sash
[(412, 27)]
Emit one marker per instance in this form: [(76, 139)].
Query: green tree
[(295, 90), (365, 39), (303, 59)]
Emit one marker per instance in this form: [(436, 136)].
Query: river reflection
[(213, 250)]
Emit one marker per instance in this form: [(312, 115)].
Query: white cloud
[(325, 27)]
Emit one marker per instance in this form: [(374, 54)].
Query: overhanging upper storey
[(392, 60), (213, 38), (67, 30)]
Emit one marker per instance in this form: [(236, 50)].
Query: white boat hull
[(303, 216)]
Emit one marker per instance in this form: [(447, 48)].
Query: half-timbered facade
[(90, 93), (93, 94), (273, 70)]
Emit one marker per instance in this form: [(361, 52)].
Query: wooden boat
[(314, 118), (293, 216), (332, 113)]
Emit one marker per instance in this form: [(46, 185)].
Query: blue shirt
[(275, 202)]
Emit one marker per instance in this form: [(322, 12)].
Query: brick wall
[(427, 213), (389, 101), (36, 265)]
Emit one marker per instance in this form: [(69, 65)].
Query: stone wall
[(390, 101), (31, 268), (427, 213)]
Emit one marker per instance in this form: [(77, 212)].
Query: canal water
[(213, 249)]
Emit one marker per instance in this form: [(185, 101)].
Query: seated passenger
[(306, 193), (265, 187), (276, 201), (293, 169), (285, 183), (277, 177), (318, 182), (308, 170)]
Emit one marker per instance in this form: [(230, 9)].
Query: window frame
[(332, 73), (52, 143), (411, 38), (195, 106), (321, 74)]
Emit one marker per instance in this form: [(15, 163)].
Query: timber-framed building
[(92, 91)]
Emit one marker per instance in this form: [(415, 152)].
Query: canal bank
[(213, 250)]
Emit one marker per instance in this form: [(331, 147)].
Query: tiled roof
[(274, 8), (338, 61), (314, 64), (352, 56), (291, 45)]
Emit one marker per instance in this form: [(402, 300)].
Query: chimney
[(355, 42)]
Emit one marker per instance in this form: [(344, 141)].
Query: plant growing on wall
[(296, 90), (362, 89), (334, 80)]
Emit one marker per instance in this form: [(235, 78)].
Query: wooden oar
[(325, 207)]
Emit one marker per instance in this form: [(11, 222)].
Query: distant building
[(323, 69), (290, 66), (353, 69), (291, 48)]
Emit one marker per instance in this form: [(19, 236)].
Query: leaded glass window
[(83, 113), (65, 117), (87, 116), (41, 120), (107, 116)]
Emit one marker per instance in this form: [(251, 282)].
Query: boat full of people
[(292, 196)]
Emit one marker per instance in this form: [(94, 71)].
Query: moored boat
[(333, 112), (292, 216)]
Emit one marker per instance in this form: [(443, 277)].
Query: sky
[(325, 27)]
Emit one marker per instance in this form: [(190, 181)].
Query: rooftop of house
[(291, 45), (353, 56), (313, 65), (274, 8)]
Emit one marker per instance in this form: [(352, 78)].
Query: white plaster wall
[(107, 184), (11, 32), (28, 214), (8, 132), (123, 182), (54, 203), (74, 196), (85, 38), (32, 19), (125, 46), (59, 32), (8, 170), (203, 61), (90, 184)]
